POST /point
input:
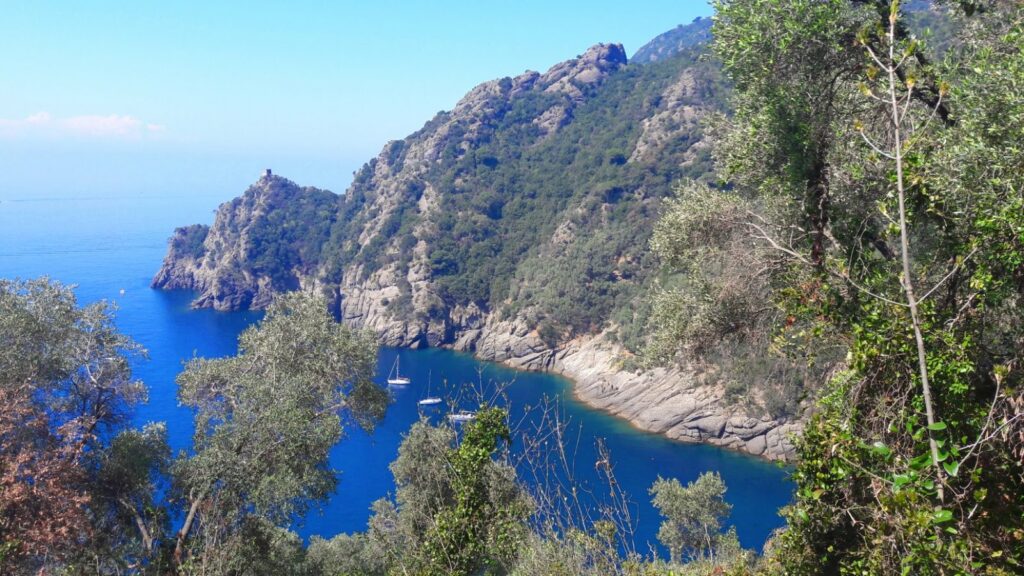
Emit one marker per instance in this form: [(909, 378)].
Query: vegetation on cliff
[(263, 243), (668, 44), (876, 206), (534, 197)]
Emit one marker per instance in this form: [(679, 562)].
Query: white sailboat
[(395, 378), (429, 400), (462, 416)]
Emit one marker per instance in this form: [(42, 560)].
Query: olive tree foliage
[(878, 196), (345, 555), (132, 476), (67, 389), (423, 479), (692, 528), (458, 507), (72, 358), (265, 422), (714, 309), (718, 294)]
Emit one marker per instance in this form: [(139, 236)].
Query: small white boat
[(395, 378), (429, 400), (462, 416)]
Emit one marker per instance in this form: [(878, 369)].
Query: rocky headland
[(514, 227)]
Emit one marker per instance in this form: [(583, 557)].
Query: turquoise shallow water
[(108, 244)]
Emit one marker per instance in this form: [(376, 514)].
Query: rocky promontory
[(514, 227), (262, 243)]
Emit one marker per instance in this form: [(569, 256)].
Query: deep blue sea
[(107, 244)]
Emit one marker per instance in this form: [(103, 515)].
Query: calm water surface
[(108, 244)]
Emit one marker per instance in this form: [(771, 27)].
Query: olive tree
[(458, 507), (692, 528), (72, 358), (66, 388), (265, 422)]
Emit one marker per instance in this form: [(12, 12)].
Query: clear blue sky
[(147, 96)]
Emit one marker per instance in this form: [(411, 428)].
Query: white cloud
[(113, 126), (38, 118)]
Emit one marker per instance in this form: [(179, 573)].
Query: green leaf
[(881, 449), (951, 468), (937, 426), (941, 515), (921, 462)]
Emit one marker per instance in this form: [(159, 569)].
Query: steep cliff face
[(261, 243), (532, 199), (514, 227), (186, 252)]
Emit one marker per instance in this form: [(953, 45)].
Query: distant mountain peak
[(670, 43), (589, 68), (567, 78), (600, 57)]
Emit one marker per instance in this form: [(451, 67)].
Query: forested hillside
[(264, 243), (533, 198), (669, 44)]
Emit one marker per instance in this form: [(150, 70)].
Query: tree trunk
[(908, 283), (817, 207), (186, 527), (140, 523)]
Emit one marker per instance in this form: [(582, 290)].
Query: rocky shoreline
[(670, 402)]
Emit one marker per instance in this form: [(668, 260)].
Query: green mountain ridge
[(668, 44), (534, 196)]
